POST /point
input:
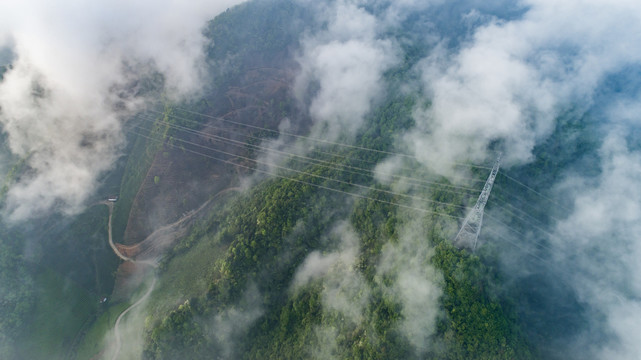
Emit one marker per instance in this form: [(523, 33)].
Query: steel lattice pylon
[(468, 236)]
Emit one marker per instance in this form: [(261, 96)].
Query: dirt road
[(122, 315), (110, 205), (160, 240)]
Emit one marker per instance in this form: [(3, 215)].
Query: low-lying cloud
[(232, 324), (79, 70), (598, 248), (404, 275), (342, 68), (504, 88), (508, 83)]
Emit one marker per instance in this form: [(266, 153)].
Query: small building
[(113, 198)]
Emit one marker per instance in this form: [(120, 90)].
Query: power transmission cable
[(520, 201), (361, 148), (535, 192), (345, 166), (300, 181), (318, 176), (366, 187), (235, 142), (315, 139), (325, 163), (503, 202), (345, 183), (497, 221), (516, 244), (291, 145)]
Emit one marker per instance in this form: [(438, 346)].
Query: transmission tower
[(468, 236)]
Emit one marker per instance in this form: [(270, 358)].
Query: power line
[(518, 246), (317, 176), (517, 199), (314, 139), (333, 166), (325, 163), (505, 203), (356, 147), (354, 194), (302, 181), (534, 191), (497, 221), (288, 144)]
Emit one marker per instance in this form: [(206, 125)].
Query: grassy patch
[(61, 309), (188, 269), (92, 344), (187, 275), (140, 159)]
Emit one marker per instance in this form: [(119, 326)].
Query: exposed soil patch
[(178, 180)]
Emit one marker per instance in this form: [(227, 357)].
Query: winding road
[(117, 326), (110, 205), (151, 263)]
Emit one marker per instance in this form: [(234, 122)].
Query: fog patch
[(78, 72), (344, 289), (404, 274), (325, 346), (232, 323), (126, 339), (598, 248), (342, 68), (413, 282), (506, 86), (318, 264)]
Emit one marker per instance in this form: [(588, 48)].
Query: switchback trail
[(165, 230), (110, 205), (151, 249), (117, 326)]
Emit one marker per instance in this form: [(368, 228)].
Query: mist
[(598, 249), (79, 72), (503, 81), (342, 66), (404, 275), (506, 88), (510, 80)]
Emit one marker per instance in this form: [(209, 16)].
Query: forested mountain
[(295, 191)]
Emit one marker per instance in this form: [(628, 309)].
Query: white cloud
[(416, 283), (510, 80), (75, 79), (347, 61), (598, 247), (507, 84)]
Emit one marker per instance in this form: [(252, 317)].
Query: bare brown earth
[(184, 178), (178, 180), (162, 210)]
